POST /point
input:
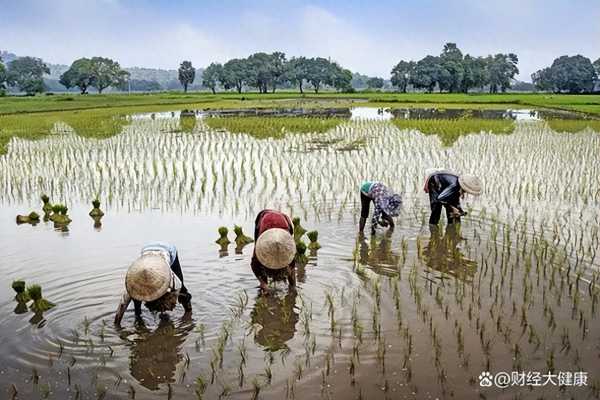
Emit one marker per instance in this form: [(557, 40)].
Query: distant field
[(161, 101)]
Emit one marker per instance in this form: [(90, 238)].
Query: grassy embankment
[(101, 116)]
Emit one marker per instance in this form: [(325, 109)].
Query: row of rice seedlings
[(221, 155)]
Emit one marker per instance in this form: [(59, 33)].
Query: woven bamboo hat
[(148, 278), (470, 184), (275, 248)]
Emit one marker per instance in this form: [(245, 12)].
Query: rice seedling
[(223, 240), (256, 387), (22, 295), (313, 236), (240, 239), (300, 257), (299, 231), (96, 212), (31, 218), (39, 304)]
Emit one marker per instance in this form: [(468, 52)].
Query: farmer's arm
[(377, 213), (259, 272), (185, 299), (389, 220), (125, 300)]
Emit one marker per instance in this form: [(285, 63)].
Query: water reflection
[(378, 254), (443, 254), (277, 318), (154, 355)]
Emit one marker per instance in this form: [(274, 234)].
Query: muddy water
[(416, 314)]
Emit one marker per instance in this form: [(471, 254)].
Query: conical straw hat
[(275, 248), (148, 278), (470, 184)]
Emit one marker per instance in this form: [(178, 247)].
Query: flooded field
[(417, 314)]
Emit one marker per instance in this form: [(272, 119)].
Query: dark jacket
[(444, 189)]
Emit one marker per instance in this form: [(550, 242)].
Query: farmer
[(156, 279), (275, 249), (445, 189), (387, 205)]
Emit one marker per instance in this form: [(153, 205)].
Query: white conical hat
[(148, 278), (470, 184), (275, 248)]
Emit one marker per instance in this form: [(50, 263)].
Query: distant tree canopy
[(267, 72), (27, 73), (97, 72), (2, 77), (375, 83), (454, 72), (211, 76), (187, 74), (574, 74), (79, 74), (144, 85)]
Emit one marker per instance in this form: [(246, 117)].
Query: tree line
[(451, 71), (454, 72), (267, 72), (576, 74)]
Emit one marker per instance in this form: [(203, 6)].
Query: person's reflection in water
[(443, 254), (378, 253), (277, 318), (154, 355)]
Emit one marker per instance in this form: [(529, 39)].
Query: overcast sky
[(364, 36)]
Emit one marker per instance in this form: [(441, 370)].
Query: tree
[(567, 74), (375, 83), (319, 72), (451, 68), (402, 73), (144, 85), (211, 76), (27, 74), (297, 71), (80, 74), (542, 79), (235, 74), (426, 73), (502, 69), (474, 73), (106, 73), (187, 73), (2, 78), (340, 78), (278, 69), (259, 72)]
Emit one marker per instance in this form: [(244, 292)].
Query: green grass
[(65, 102), (100, 124), (449, 130), (272, 127), (573, 125)]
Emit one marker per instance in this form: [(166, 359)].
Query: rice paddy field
[(418, 313)]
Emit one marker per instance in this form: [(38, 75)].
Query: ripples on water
[(515, 284)]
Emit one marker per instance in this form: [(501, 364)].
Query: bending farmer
[(387, 205), (445, 189), (156, 279), (275, 249)]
